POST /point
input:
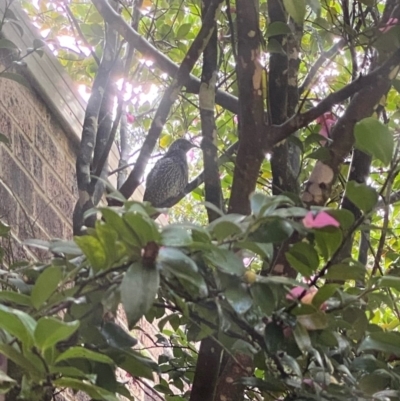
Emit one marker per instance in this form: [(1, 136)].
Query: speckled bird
[(169, 176)]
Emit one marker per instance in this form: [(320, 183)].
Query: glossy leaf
[(50, 331), (83, 353), (138, 290), (362, 195), (303, 257), (45, 285), (374, 138), (296, 9)]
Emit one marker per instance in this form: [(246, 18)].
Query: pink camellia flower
[(130, 118), (296, 292), (326, 121), (389, 25), (319, 220)]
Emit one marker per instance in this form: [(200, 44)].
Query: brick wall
[(38, 188), (37, 169)]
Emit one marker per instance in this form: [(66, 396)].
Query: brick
[(68, 233), (47, 218), (72, 150), (29, 229), (17, 180), (8, 208), (70, 178), (49, 150), (37, 169), (15, 252), (15, 100), (6, 125), (58, 195), (57, 132), (22, 150)]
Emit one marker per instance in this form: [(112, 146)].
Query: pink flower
[(130, 118), (326, 121), (319, 220), (389, 25), (295, 293)]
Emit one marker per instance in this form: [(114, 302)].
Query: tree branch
[(192, 84), (367, 83), (169, 98)]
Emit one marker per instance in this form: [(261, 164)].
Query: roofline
[(47, 75), (49, 78)]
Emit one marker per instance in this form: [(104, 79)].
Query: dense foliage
[(292, 285)]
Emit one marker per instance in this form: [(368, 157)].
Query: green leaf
[(319, 154), (9, 14), (16, 78), (273, 337), (84, 353), (303, 257), (113, 219), (46, 285), (278, 28), (315, 5), (38, 43), (381, 341), (328, 241), (15, 297), (223, 229), (302, 338), (225, 260), (374, 138), (36, 371), (116, 336), (263, 297), (276, 230), (344, 217), (108, 238), (144, 227), (257, 201), (7, 44), (324, 293), (296, 9), (5, 140), (174, 262), (139, 288), (94, 251), (135, 364), (239, 298), (50, 331), (175, 235), (18, 324), (38, 243), (183, 30), (343, 271), (389, 281), (93, 391), (362, 195), (264, 250), (313, 321), (65, 247)]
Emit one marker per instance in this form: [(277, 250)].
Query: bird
[(169, 176)]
